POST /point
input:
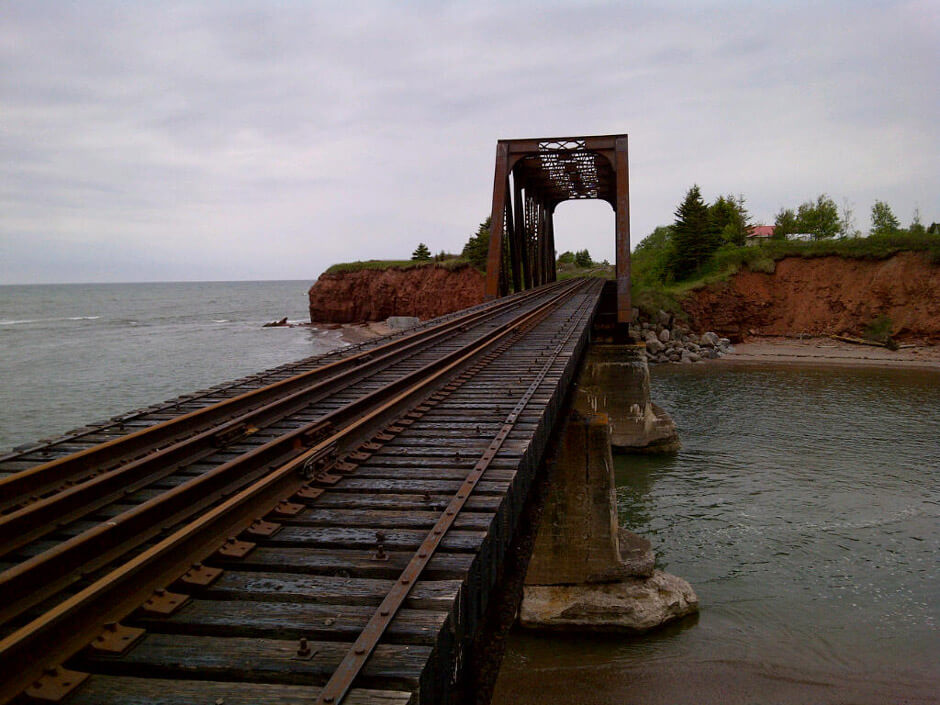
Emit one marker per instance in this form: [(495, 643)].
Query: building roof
[(761, 231)]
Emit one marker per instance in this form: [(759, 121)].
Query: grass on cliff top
[(650, 294), (451, 264)]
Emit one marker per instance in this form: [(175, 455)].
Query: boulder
[(662, 318), (653, 345), (710, 339), (664, 335), (633, 605), (402, 322)]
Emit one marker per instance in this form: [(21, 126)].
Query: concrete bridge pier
[(615, 380), (587, 573)]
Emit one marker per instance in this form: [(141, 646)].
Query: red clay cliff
[(376, 294), (822, 296)]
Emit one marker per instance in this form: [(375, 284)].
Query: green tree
[(566, 257), (582, 258), (820, 218), (785, 224), (917, 228), (728, 221), (650, 261), (690, 235), (883, 220), (421, 253), (477, 248)]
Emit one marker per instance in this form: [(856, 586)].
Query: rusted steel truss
[(532, 177)]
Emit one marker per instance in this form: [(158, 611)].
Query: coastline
[(829, 352), (354, 333)]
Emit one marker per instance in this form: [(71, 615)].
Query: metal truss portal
[(544, 172)]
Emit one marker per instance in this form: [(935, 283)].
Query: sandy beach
[(826, 351)]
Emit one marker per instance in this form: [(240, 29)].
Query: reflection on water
[(803, 509)]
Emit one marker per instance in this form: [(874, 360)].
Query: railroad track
[(311, 509)]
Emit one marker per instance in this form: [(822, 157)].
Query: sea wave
[(25, 321)]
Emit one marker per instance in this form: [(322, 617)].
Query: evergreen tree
[(883, 221), (728, 221), (582, 258), (917, 228), (421, 253), (693, 245), (477, 248)]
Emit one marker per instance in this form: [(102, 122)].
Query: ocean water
[(75, 353), (804, 509)]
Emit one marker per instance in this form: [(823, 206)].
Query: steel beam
[(622, 210), (495, 255)]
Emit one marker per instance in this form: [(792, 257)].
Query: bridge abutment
[(587, 573)]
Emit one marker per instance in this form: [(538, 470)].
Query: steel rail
[(119, 421), (20, 527), (72, 623), (45, 574), (52, 474), (361, 649)]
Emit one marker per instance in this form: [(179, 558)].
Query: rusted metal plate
[(200, 575), (285, 508), (262, 529), (327, 479), (55, 685), (163, 602), (116, 638), (233, 548), (308, 493)]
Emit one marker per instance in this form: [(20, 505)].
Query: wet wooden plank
[(290, 620), (422, 473), (445, 461), (328, 589), (379, 518), (344, 537), (113, 690), (355, 484), (443, 566), (391, 666), (390, 500)]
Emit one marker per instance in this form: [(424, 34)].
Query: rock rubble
[(668, 340)]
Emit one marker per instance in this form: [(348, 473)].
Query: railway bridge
[(327, 531)]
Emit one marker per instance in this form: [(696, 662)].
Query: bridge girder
[(545, 172)]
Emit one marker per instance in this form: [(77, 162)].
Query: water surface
[(75, 353), (803, 509)]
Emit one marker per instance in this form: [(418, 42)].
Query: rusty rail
[(275, 478)]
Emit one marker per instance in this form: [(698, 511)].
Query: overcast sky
[(267, 140)]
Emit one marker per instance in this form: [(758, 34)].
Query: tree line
[(685, 248)]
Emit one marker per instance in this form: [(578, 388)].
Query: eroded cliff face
[(376, 294), (822, 296)]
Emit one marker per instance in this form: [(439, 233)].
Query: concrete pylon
[(586, 573), (615, 380)]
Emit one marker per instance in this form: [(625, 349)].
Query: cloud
[(256, 140)]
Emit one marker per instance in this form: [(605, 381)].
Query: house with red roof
[(759, 233)]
